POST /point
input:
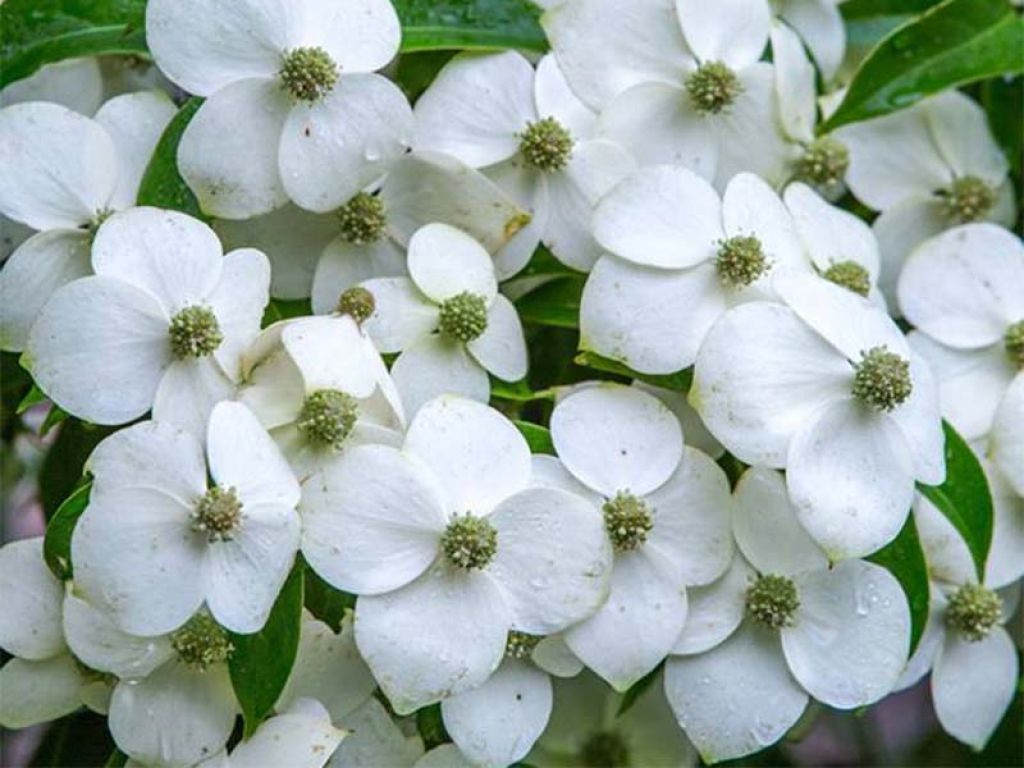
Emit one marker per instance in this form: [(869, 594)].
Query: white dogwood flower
[(293, 108), (820, 26), (1006, 441), (827, 388), (162, 324)]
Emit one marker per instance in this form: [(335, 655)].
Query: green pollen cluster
[(520, 645), (218, 513), (850, 275), (882, 380), (201, 643), (969, 199), (713, 87), (604, 749), (546, 145), (308, 73), (469, 542), (97, 220), (327, 418), (463, 317), (627, 520), (357, 302), (194, 332), (824, 163), (972, 611), (362, 219), (740, 261), (1014, 341), (772, 601)]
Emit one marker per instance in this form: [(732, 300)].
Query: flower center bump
[(882, 379), (713, 87), (201, 643), (740, 261), (546, 145), (357, 302), (772, 601), (362, 219), (308, 73), (218, 513), (195, 332), (973, 610), (851, 275), (825, 162), (469, 542), (463, 317), (520, 645), (1014, 341), (969, 199), (327, 418), (628, 521)]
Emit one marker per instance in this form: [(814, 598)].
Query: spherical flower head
[(772, 601), (1014, 341), (362, 219), (851, 275), (469, 542), (201, 643), (97, 220), (357, 302), (824, 163), (546, 145), (520, 645), (218, 513), (327, 418), (195, 332), (969, 199), (627, 520), (308, 73), (740, 261), (463, 317), (604, 749), (882, 380), (713, 87), (973, 610)]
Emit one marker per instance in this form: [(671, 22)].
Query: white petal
[(737, 698), (499, 722), (442, 634), (554, 97), (553, 561), (30, 624), (734, 32), (343, 265), (33, 692), (661, 217), (60, 169), (238, 301), (934, 634), (695, 433), (850, 479), (715, 611), (401, 316), (852, 634), (615, 438), (330, 353), (829, 234), (766, 527), (188, 391), (1006, 446), (435, 366), (476, 108), (553, 656), (794, 83), (445, 261), (375, 739), (751, 207), (899, 230), (332, 149), (372, 521), (692, 514), (361, 35), (74, 83), (478, 456), (97, 642), (973, 685), (98, 349), (949, 560), (1004, 564), (759, 376), (961, 134), (821, 27), (176, 716), (919, 420), (641, 596), (501, 348), (302, 737)]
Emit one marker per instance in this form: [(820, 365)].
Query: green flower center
[(520, 645), (218, 513), (546, 145), (308, 73), (851, 275), (463, 316), (1014, 340), (362, 219), (202, 642), (772, 601), (972, 611), (740, 261), (713, 87), (604, 749), (327, 418), (195, 332), (969, 199), (469, 542), (357, 302), (882, 379), (628, 521), (824, 163)]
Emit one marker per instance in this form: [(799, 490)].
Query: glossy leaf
[(679, 381), (35, 396), (325, 602), (284, 309), (904, 559), (476, 24), (556, 303), (537, 437), (162, 185), (57, 543), (861, 9)]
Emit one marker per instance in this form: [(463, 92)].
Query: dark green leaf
[(679, 381), (63, 466), (904, 559), (430, 726), (262, 661), (284, 309), (956, 42), (518, 391), (475, 24), (538, 437), (325, 602), (964, 498), (35, 396), (862, 9), (162, 185), (38, 32), (56, 415), (636, 690), (117, 759), (554, 303), (57, 544), (543, 262), (1003, 99)]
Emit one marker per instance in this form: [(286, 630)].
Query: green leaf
[(518, 391), (556, 303), (38, 32), (862, 9), (543, 262), (162, 185), (325, 602), (57, 543), (955, 42), (262, 661), (538, 437), (1003, 100), (430, 726), (636, 690), (964, 498), (679, 381), (284, 309), (62, 469), (56, 415), (474, 24), (904, 559), (35, 396)]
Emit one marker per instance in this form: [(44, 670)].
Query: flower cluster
[(695, 522)]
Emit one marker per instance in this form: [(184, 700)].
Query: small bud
[(740, 261), (308, 73), (327, 418), (218, 513), (546, 145), (969, 199), (713, 87), (882, 380), (469, 542), (851, 275), (201, 643), (195, 332), (1014, 340), (772, 601), (362, 219), (357, 302), (463, 317), (627, 520), (972, 611)]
